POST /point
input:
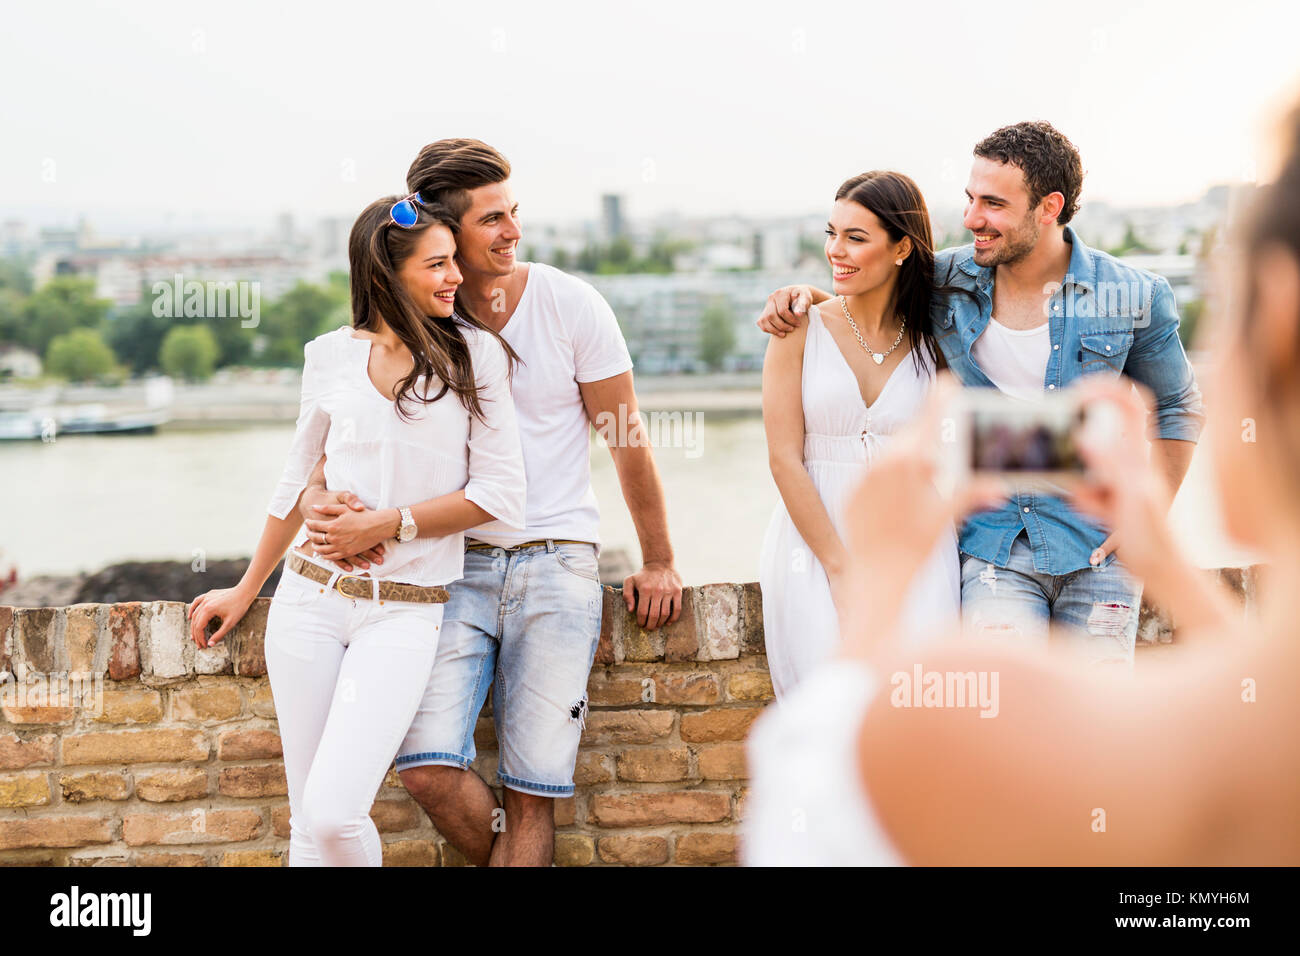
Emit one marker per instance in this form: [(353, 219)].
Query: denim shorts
[(1097, 607), (524, 622)]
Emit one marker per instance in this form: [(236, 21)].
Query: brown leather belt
[(483, 546), (354, 586)]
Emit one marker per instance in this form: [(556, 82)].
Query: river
[(82, 502)]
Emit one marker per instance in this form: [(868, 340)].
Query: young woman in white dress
[(412, 406), (834, 391)]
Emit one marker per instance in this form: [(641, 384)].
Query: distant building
[(611, 216), (660, 314)]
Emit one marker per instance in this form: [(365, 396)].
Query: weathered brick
[(24, 790), (574, 849), (124, 631), (638, 644), (6, 640), (750, 685), (252, 858), (411, 853), (81, 638), (485, 734), (35, 638), (627, 726), (130, 707), (394, 816), (17, 753), (150, 858), (135, 746), (260, 702), (633, 850), (54, 832), (606, 690), (262, 780), (165, 646), (217, 702), (652, 765), (722, 762), (695, 687), (751, 619), (83, 787), (591, 768), (280, 821), (652, 809), (28, 858), (247, 651), (611, 607), (681, 639), (99, 858), (704, 846), (170, 786), (214, 660), (448, 855), (196, 826), (726, 723), (719, 621), (38, 714), (249, 745), (565, 811)]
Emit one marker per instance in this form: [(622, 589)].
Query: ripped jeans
[(524, 622), (1096, 608)]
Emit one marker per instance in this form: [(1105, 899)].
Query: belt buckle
[(341, 578)]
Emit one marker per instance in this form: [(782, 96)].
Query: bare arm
[(230, 604), (654, 592)]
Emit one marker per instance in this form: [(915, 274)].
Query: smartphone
[(1031, 445)]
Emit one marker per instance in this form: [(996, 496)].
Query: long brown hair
[(897, 202), (377, 248)]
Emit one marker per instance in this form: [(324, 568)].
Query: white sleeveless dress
[(842, 436)]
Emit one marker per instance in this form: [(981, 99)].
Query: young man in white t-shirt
[(525, 618)]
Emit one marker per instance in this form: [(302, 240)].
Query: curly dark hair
[(1049, 161)]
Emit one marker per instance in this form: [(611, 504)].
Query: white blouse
[(388, 462)]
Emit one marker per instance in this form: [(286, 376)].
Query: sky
[(207, 114)]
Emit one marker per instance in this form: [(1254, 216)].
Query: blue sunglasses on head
[(404, 213)]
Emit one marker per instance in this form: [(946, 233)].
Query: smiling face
[(998, 212), (860, 251), (489, 231), (430, 274)]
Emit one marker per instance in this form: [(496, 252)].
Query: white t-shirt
[(565, 333), (1015, 360)]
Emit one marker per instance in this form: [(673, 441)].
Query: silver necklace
[(877, 357)]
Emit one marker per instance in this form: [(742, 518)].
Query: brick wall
[(122, 743)]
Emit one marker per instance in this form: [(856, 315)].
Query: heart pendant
[(878, 357)]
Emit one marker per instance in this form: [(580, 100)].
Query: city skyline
[(218, 117)]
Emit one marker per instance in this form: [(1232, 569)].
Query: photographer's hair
[(377, 248), (897, 202), (1049, 161), (1274, 223), (447, 170)]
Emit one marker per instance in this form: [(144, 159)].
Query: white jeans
[(347, 677)]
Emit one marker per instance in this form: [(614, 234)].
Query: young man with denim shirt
[(525, 618), (1036, 560)]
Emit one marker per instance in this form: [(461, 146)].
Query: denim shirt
[(1107, 318)]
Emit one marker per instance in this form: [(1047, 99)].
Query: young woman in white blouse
[(411, 406)]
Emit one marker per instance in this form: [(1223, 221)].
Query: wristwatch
[(408, 530)]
